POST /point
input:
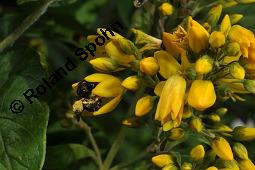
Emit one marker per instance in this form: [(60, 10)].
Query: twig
[(87, 129), (26, 23)]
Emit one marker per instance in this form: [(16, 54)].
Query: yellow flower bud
[(127, 46), (235, 18), (244, 133), (197, 153), (225, 25), (104, 64), (227, 165), (176, 133), (217, 39), (214, 15), (162, 160), (115, 52), (196, 124), (131, 83), (214, 117), (166, 8), (204, 65), (222, 148), (132, 122), (149, 66), (224, 128), (159, 87), (198, 37), (233, 49), (246, 165), (173, 89), (187, 113), (201, 95), (168, 65), (249, 85), (170, 167), (186, 166), (240, 151), (237, 71), (222, 111), (246, 1), (143, 106), (212, 168)]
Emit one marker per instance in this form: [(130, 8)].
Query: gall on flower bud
[(222, 148), (166, 9), (237, 71), (201, 95), (249, 85), (196, 124), (197, 153), (217, 39), (204, 65), (244, 133), (233, 49), (214, 15), (246, 164), (235, 18), (212, 168), (240, 151), (186, 166), (198, 37), (176, 133), (162, 160), (131, 83), (149, 66), (143, 106)]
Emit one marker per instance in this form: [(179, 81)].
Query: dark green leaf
[(22, 135)]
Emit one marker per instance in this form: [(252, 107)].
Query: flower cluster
[(189, 70)]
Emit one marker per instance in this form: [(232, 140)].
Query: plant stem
[(87, 130), (26, 23), (114, 149)]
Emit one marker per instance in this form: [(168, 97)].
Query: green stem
[(114, 150), (26, 23), (92, 140)]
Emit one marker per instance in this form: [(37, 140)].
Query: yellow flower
[(115, 52), (246, 165), (198, 37), (212, 168), (176, 133), (174, 89), (244, 37), (108, 87), (162, 160), (201, 95), (214, 15), (222, 148), (149, 66), (131, 83), (168, 65), (197, 153), (217, 39), (240, 151), (204, 65), (196, 124), (235, 18), (244, 133), (237, 71), (186, 166), (104, 64), (166, 8), (225, 25), (143, 106)]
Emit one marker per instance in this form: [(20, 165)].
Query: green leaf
[(19, 2), (62, 156), (22, 135)]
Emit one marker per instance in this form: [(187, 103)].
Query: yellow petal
[(131, 83), (225, 25), (168, 65), (110, 106), (108, 88), (159, 87), (98, 77), (114, 35)]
